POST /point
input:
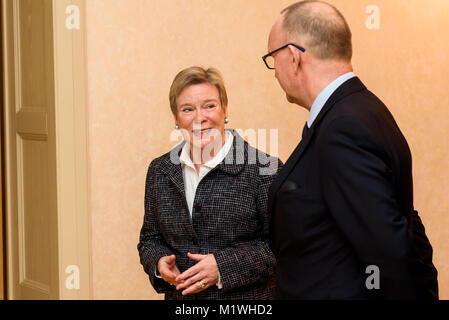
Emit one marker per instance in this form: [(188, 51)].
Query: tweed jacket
[(229, 220)]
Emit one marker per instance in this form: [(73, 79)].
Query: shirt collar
[(212, 163), (324, 95)]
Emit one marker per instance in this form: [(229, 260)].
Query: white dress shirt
[(325, 94)]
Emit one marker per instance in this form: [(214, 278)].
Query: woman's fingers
[(189, 276), (170, 278), (197, 283), (197, 287), (199, 277), (166, 274), (195, 269), (196, 257), (168, 269), (189, 272), (207, 266), (171, 260), (191, 280)]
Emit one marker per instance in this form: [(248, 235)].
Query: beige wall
[(135, 48)]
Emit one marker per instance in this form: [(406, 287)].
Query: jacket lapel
[(349, 87), (172, 169), (288, 167), (235, 160)]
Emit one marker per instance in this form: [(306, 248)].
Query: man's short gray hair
[(326, 36)]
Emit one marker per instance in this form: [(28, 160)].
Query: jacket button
[(197, 207), (195, 241)]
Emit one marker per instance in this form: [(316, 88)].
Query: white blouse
[(191, 177)]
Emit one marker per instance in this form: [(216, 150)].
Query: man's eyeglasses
[(269, 58)]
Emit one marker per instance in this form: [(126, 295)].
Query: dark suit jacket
[(230, 220), (344, 201)]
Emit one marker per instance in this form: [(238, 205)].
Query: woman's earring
[(177, 127), (226, 120)]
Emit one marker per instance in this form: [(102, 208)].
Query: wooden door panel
[(31, 148)]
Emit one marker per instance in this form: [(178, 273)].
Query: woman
[(205, 229)]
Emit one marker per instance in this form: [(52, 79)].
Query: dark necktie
[(305, 131)]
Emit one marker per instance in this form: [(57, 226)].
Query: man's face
[(282, 58)]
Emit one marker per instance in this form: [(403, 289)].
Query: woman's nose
[(199, 116)]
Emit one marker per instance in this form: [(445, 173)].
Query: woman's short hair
[(197, 75)]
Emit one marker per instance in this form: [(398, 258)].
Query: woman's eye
[(211, 106), (187, 110)]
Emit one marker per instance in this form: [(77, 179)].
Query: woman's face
[(201, 115)]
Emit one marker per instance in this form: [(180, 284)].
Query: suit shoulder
[(363, 105)]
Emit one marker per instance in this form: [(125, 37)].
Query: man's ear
[(295, 58)]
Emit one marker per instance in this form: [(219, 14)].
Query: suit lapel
[(349, 87), (288, 167)]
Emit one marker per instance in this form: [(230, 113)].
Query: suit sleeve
[(152, 246), (252, 261), (359, 191)]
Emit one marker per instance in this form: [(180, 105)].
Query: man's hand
[(199, 277), (168, 269)]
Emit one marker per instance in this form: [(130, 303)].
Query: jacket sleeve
[(253, 261), (152, 246), (359, 191)]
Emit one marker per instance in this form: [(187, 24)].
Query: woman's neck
[(204, 155)]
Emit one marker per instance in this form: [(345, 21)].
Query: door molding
[(72, 150)]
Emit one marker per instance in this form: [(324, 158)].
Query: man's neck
[(325, 76)]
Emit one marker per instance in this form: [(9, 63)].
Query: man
[(343, 223)]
